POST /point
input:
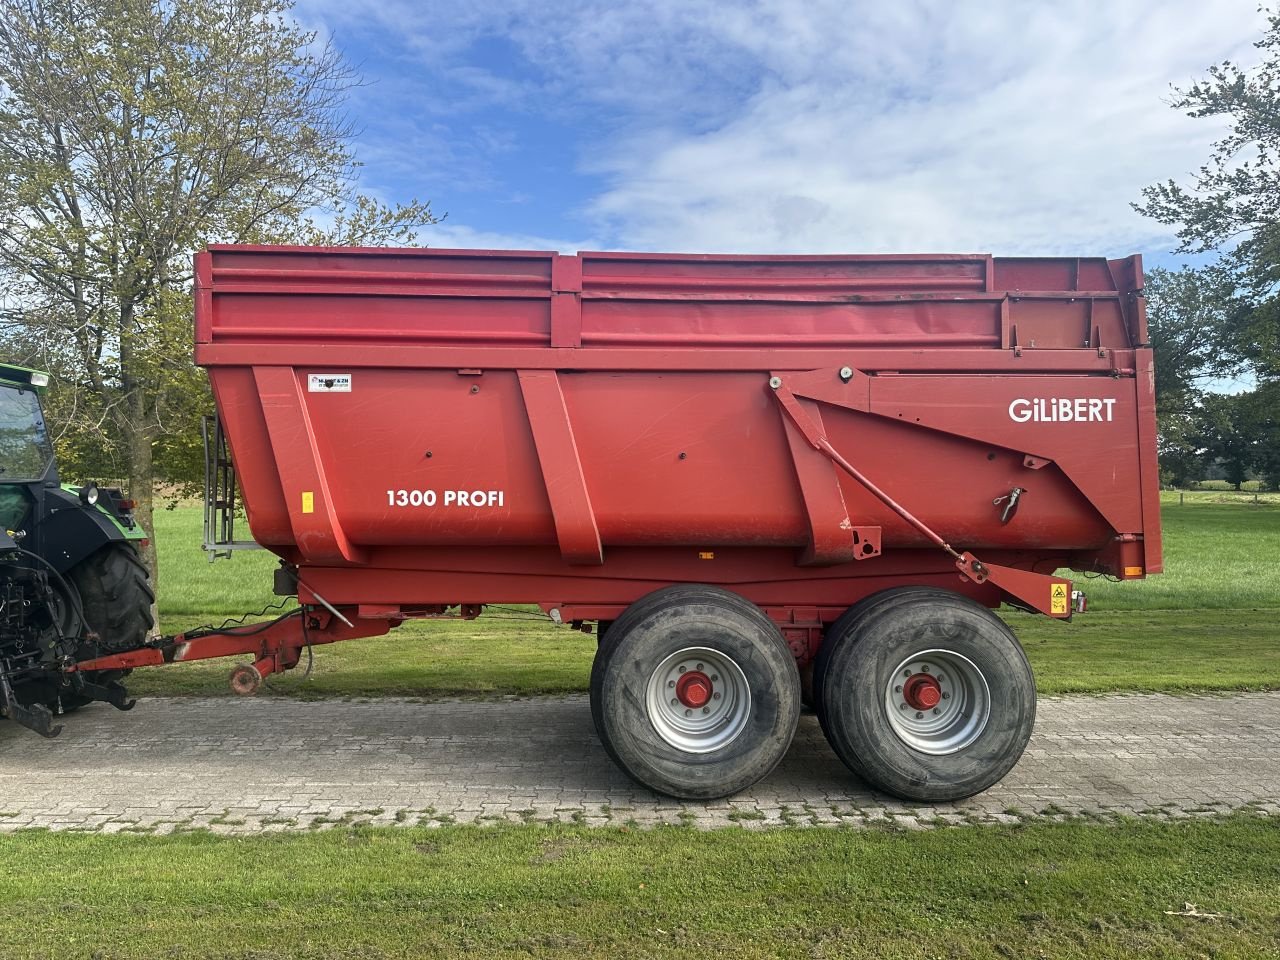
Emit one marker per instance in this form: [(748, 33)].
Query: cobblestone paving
[(244, 766)]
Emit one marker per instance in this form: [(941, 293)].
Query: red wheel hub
[(921, 691), (693, 689)]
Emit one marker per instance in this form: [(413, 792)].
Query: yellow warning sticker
[(308, 501), (1058, 598)]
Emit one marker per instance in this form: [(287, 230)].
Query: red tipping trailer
[(746, 469)]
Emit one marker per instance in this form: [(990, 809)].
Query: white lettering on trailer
[(1062, 410), (448, 498)]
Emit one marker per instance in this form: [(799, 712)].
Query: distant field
[(1211, 622)]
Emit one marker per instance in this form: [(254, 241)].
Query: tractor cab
[(26, 450)]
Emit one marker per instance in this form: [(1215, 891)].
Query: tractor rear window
[(25, 450)]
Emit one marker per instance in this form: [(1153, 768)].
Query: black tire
[(756, 733), (963, 639), (116, 596), (843, 631)]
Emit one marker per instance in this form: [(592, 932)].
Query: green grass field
[(1066, 890), (1209, 623)]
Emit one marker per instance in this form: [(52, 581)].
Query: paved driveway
[(242, 766)]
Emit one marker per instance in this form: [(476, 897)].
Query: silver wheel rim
[(675, 708), (957, 717)]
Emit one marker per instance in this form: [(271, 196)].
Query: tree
[(132, 132), (1229, 434), (1265, 424), (1190, 315), (1234, 203), (1179, 446)]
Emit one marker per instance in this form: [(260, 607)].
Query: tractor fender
[(72, 531)]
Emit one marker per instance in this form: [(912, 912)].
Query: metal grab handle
[(1011, 508)]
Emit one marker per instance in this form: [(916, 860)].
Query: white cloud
[(821, 125), (966, 133)]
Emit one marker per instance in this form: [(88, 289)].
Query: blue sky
[(783, 126)]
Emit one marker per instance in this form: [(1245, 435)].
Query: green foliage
[(1265, 415), (1228, 435), (133, 132), (1238, 434), (1189, 316), (1215, 320), (1232, 203)]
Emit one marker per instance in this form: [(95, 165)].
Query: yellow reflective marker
[(1058, 598), (706, 555), (1133, 571), (308, 501)]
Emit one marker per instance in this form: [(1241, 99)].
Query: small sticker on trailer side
[(329, 383)]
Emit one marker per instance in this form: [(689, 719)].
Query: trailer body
[(424, 427), (759, 475)]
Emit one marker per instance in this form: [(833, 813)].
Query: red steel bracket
[(315, 522), (576, 528), (1049, 595), (833, 539)]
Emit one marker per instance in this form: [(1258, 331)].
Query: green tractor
[(72, 584)]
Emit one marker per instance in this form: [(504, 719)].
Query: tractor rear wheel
[(694, 692), (115, 596)]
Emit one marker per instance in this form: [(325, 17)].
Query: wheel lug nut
[(683, 669), (919, 715), (675, 702), (715, 678), (898, 689), (902, 706), (716, 695), (946, 696), (936, 710), (688, 713), (706, 709), (906, 673), (924, 668), (699, 666), (671, 683)]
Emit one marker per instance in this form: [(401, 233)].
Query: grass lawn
[(1209, 623), (1038, 889), (1220, 553)]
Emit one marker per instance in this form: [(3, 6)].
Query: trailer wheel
[(844, 631), (694, 692), (927, 695)]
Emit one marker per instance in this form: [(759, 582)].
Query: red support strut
[(276, 646)]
